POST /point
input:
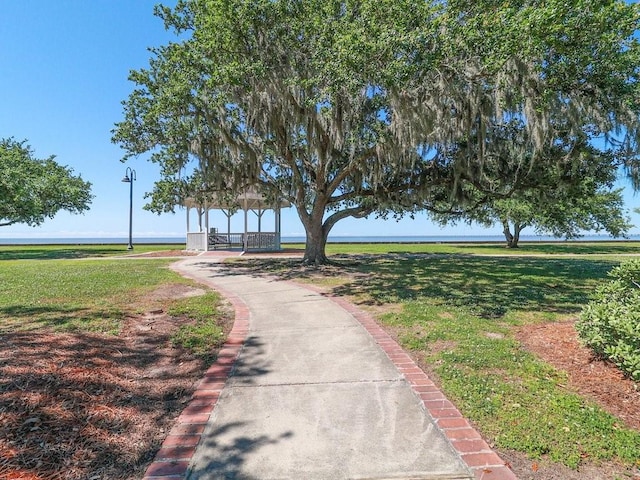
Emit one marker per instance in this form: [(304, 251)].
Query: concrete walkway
[(309, 387)]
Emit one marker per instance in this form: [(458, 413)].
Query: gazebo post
[(245, 240), (206, 226), (277, 226)]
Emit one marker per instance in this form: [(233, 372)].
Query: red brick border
[(172, 460), (474, 451)]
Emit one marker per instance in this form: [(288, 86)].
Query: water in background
[(301, 239), (456, 239)]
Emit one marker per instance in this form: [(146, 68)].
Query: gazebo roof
[(250, 199)]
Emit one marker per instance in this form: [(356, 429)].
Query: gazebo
[(213, 238)]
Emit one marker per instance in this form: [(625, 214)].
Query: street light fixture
[(130, 177)]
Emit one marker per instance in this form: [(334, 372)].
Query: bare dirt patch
[(91, 406), (174, 291)]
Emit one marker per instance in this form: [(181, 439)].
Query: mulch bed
[(85, 406), (557, 344), (600, 381)]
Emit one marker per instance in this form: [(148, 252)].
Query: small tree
[(32, 190)]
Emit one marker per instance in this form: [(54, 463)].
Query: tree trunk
[(512, 238), (516, 235), (314, 251)]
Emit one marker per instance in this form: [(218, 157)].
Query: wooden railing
[(261, 241), (225, 240), (215, 241)]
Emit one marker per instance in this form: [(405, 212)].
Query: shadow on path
[(225, 460)]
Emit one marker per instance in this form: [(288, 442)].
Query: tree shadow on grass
[(23, 317), (490, 286), (282, 268), (58, 252)]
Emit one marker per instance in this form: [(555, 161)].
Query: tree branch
[(355, 212)]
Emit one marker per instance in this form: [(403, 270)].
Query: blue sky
[(64, 66)]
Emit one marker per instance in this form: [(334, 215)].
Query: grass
[(526, 248), (205, 330), (79, 288), (70, 295), (58, 252), (489, 286), (517, 401)]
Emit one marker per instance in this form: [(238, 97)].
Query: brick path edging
[(172, 460), (472, 448)]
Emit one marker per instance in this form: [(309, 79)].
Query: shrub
[(610, 323)]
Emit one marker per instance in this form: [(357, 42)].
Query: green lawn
[(80, 288), (87, 295), (492, 287), (526, 248), (206, 329), (53, 252)]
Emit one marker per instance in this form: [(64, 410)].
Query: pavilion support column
[(188, 229), (246, 226), (277, 227), (206, 227)]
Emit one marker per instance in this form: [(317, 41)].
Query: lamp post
[(130, 177)]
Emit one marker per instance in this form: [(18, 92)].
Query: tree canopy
[(353, 108), (32, 190)]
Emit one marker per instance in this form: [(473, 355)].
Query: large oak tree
[(352, 108)]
